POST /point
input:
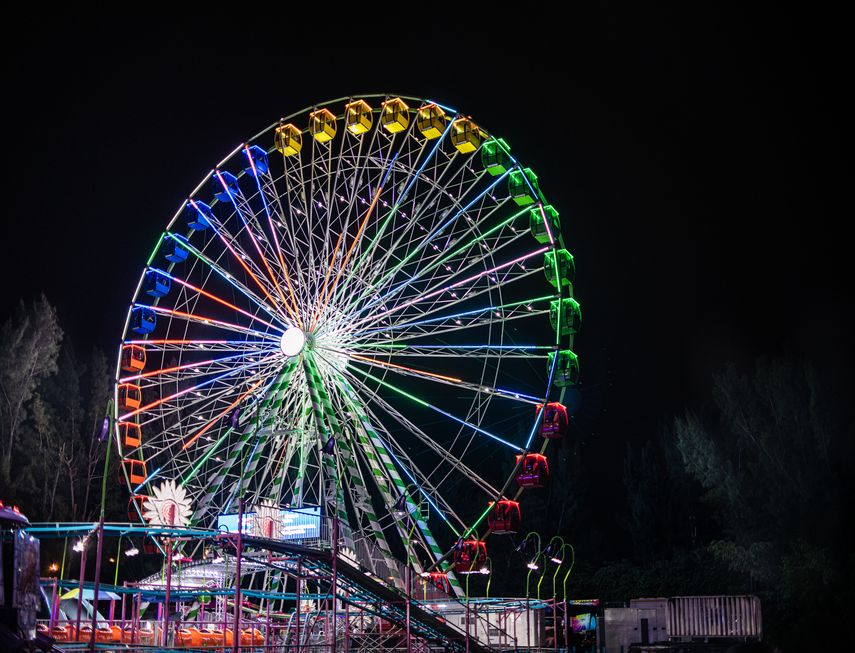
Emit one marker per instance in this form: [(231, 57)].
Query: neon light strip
[(445, 258), (327, 278), (545, 400), (546, 224), (474, 387), (342, 384), (240, 260), (205, 320), (147, 480), (275, 237), (439, 291), (402, 367), (196, 342), (217, 299), (207, 426), (213, 448), (176, 368), (456, 315), (431, 236), (403, 197), (358, 234), (384, 345), (225, 275), (248, 229), (180, 393), (422, 402)]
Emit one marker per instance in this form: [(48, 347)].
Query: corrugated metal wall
[(714, 616)]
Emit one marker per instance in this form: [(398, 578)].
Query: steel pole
[(165, 638), (409, 581), (236, 629), (97, 586), (334, 573), (80, 593), (299, 574)]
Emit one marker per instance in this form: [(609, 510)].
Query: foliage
[(29, 345), (54, 405), (762, 474)]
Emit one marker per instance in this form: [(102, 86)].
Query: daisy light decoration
[(169, 506)]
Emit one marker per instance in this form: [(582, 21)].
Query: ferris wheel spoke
[(356, 239), (450, 351), (427, 404), (163, 345), (276, 218), (243, 259), (208, 321), (453, 460), (177, 413), (190, 373), (442, 262), (228, 277), (479, 388), (450, 288), (437, 326), (412, 177), (197, 387), (242, 209), (434, 232), (219, 300), (180, 368)]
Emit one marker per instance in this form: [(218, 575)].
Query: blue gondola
[(225, 185), (175, 252), (157, 284), (198, 215), (259, 159), (143, 320)]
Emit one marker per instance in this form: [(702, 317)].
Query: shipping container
[(712, 617)]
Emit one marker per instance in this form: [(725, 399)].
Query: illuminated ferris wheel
[(367, 305)]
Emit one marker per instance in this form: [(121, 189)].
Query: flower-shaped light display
[(266, 521), (169, 506)]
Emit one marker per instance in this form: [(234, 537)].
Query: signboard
[(288, 524)]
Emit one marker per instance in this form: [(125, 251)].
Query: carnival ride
[(338, 365)]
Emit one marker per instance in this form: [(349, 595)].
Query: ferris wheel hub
[(292, 341)]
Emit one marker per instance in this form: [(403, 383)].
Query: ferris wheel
[(366, 305)]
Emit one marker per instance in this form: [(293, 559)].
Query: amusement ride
[(353, 338)]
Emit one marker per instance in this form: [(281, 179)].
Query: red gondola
[(534, 471), (504, 517), (133, 358), (554, 423), (439, 579), (470, 556)]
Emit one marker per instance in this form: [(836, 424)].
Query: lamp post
[(555, 554), (532, 566), (401, 511), (104, 436), (81, 548), (564, 593)]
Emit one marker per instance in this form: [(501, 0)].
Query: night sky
[(696, 161)]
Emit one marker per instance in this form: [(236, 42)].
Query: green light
[(156, 249)]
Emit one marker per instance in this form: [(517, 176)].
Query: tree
[(29, 345)]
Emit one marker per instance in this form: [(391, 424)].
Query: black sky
[(696, 160)]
